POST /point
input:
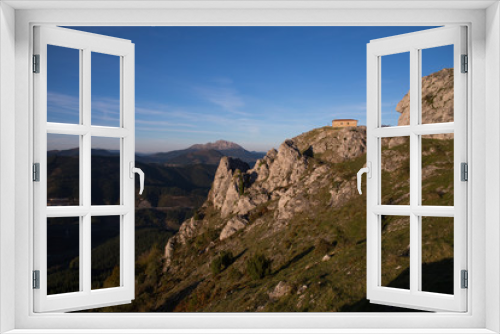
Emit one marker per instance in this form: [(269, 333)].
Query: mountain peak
[(218, 145)]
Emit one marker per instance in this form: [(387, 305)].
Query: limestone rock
[(169, 251), (232, 226), (437, 99), (224, 191), (280, 290), (187, 230), (245, 205), (301, 289), (333, 144), (287, 167)]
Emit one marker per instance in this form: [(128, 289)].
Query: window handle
[(368, 171), (141, 176)]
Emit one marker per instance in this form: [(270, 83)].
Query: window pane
[(437, 169), (63, 250), (437, 85), (437, 254), (395, 262), (105, 90), (105, 252), (105, 171), (63, 85), (63, 170), (395, 168), (395, 90)]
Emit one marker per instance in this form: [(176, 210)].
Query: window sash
[(414, 298), (86, 297)]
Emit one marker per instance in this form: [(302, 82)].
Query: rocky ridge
[(283, 182), (302, 194)]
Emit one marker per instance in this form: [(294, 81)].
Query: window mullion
[(85, 168), (414, 171), (80, 177)]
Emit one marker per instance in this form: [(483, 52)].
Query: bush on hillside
[(241, 185), (258, 266), (322, 246), (221, 262)]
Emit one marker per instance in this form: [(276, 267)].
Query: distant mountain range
[(208, 154), (73, 152)]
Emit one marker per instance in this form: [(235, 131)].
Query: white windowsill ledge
[(249, 331)]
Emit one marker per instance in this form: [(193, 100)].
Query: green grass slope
[(319, 256)]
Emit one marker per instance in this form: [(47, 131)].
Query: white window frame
[(481, 17)]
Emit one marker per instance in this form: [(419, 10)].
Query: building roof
[(346, 119)]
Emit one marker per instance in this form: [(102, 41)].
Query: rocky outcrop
[(187, 230), (437, 99), (437, 104), (287, 167), (280, 290), (224, 192), (332, 145), (286, 182), (169, 252), (233, 226)]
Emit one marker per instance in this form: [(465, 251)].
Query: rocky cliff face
[(437, 99), (272, 209), (284, 183)]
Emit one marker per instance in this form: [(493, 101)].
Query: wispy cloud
[(62, 104), (165, 129), (109, 107), (163, 123), (224, 95), (64, 108)]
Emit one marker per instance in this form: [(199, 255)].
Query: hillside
[(297, 217), (174, 191), (289, 234)]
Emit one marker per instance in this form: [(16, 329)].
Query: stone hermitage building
[(342, 123)]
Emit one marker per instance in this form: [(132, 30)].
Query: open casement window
[(408, 220), (84, 208)]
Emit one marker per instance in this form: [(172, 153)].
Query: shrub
[(241, 185), (221, 262), (203, 239), (258, 266), (308, 152), (322, 246)]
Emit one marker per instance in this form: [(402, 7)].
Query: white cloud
[(62, 104), (159, 123), (228, 98)]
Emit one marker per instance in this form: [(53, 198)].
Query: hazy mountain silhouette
[(209, 153)]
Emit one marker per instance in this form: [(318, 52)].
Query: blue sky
[(255, 86)]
